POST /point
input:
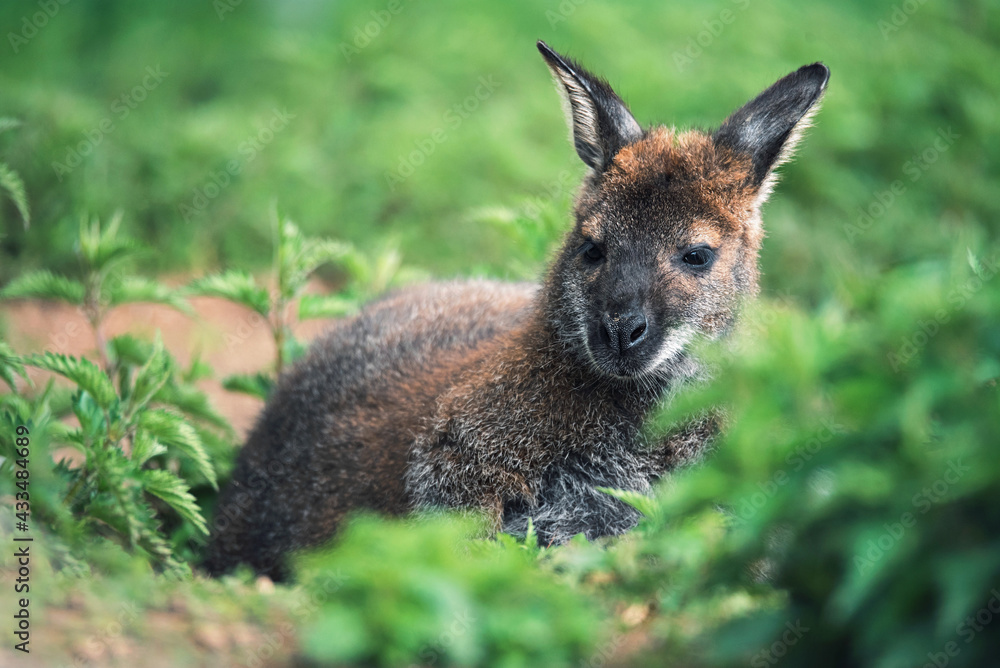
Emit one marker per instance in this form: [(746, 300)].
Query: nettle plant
[(151, 448), (10, 181), (146, 437), (296, 258)]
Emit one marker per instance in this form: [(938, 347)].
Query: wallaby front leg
[(686, 444)]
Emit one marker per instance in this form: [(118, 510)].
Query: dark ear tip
[(547, 53), (817, 72)]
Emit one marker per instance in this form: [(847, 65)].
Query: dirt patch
[(189, 630), (230, 338)]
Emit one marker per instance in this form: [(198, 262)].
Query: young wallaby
[(520, 400)]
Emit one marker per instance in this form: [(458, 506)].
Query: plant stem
[(278, 331), (72, 492), (95, 316)]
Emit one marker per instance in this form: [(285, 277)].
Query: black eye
[(699, 257), (593, 253)]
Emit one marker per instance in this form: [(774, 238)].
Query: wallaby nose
[(623, 331)]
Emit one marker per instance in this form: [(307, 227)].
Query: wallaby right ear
[(601, 123), (768, 127)]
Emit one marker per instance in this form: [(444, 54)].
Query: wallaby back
[(520, 400)]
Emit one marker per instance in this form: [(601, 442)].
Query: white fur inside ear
[(785, 154), (581, 115)]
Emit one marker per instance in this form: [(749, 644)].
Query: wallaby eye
[(699, 257), (593, 252)]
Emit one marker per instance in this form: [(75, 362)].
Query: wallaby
[(519, 400)]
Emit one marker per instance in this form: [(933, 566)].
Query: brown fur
[(515, 400)]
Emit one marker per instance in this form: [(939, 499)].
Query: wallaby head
[(668, 223)]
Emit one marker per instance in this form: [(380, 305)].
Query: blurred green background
[(866, 393), (362, 105)]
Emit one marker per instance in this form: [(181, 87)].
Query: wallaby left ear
[(768, 127), (602, 124)]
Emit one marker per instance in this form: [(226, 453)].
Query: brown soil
[(230, 338)]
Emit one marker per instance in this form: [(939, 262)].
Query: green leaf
[(93, 427), (977, 266), (102, 249), (236, 286), (11, 182), (87, 375), (171, 430), (175, 493), (126, 349), (197, 370), (145, 447), (338, 636), (531, 538), (299, 256), (192, 402), (76, 439), (293, 350), (136, 289), (384, 269), (258, 385), (14, 405), (150, 378), (8, 123), (44, 285), (644, 503), (326, 306), (11, 366)]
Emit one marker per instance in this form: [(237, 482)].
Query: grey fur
[(510, 399)]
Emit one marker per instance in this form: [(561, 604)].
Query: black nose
[(623, 331)]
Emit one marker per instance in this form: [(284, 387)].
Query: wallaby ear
[(601, 123), (768, 127)]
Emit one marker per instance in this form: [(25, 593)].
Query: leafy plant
[(10, 181), (103, 286), (848, 515), (146, 436), (424, 592), (11, 366), (296, 257), (534, 228), (140, 453)]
